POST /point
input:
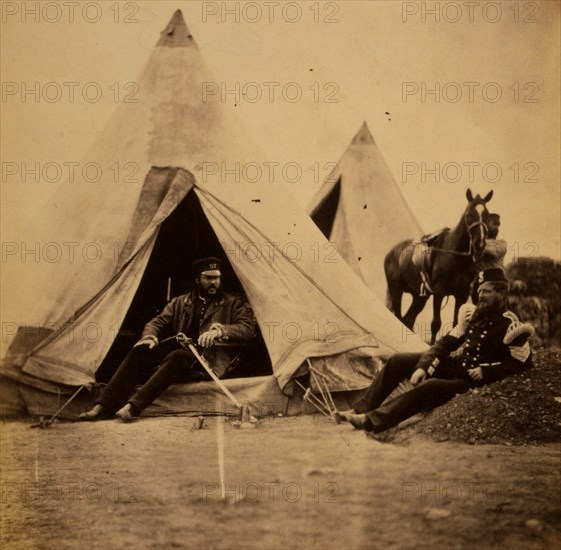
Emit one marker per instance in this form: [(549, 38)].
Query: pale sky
[(374, 61)]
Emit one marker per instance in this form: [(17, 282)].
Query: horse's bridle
[(469, 228)]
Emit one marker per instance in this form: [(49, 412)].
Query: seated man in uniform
[(495, 346), (207, 315)]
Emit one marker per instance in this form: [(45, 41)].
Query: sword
[(184, 341)]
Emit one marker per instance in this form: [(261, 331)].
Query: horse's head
[(476, 218)]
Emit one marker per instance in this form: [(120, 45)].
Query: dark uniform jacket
[(231, 312), (498, 343)]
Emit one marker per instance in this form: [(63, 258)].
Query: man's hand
[(218, 327), (418, 376), (183, 340), (469, 310), (476, 373), (150, 341), (207, 339)]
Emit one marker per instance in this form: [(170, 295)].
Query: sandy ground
[(299, 482)]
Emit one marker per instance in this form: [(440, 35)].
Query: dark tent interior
[(185, 236), (324, 213)]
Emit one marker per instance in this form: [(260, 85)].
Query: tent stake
[(48, 423)]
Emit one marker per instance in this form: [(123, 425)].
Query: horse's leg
[(436, 322), (414, 309)]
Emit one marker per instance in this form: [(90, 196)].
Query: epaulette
[(516, 329)]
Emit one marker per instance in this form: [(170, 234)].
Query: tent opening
[(184, 236), (324, 214)]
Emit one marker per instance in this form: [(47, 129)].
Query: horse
[(447, 266)]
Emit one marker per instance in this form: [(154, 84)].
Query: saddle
[(421, 256)]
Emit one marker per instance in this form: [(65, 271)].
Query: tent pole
[(320, 387), (323, 379), (312, 399)]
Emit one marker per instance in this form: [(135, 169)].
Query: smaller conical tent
[(361, 209)]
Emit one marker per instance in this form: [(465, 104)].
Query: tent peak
[(363, 135), (176, 34)]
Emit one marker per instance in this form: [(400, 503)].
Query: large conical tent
[(361, 209), (140, 235)]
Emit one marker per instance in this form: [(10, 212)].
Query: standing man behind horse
[(495, 345), (493, 254)]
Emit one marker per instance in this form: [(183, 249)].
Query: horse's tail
[(391, 264), (394, 289), (396, 283), (389, 298)]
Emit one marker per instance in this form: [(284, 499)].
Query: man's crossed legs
[(373, 414)]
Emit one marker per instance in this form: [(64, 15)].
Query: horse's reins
[(470, 251)]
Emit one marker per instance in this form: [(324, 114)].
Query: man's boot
[(97, 412)]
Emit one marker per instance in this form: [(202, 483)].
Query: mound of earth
[(522, 409)]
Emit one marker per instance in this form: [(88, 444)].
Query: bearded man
[(208, 316), (495, 345)]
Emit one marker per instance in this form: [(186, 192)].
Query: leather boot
[(97, 412)]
